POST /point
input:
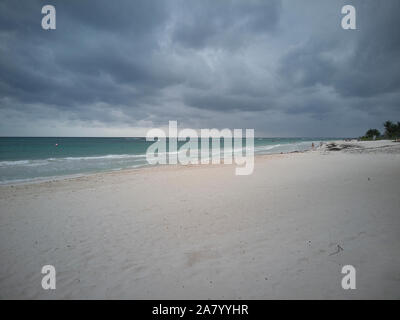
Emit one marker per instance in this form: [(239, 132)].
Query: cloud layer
[(285, 68)]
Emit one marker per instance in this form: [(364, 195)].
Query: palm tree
[(390, 129), (371, 133)]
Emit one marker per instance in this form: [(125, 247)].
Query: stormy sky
[(115, 68)]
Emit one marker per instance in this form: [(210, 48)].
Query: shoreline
[(122, 170), (176, 167), (54, 168), (70, 177)]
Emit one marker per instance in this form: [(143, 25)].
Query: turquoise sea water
[(25, 159)]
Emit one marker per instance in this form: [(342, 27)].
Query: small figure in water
[(312, 146)]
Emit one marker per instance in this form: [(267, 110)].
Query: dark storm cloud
[(88, 56), (209, 21), (257, 64), (371, 65), (225, 102)]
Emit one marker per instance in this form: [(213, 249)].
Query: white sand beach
[(201, 232)]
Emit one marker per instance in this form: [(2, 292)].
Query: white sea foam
[(40, 162)]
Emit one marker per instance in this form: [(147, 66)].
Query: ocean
[(27, 159)]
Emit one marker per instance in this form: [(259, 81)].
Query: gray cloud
[(222, 23), (281, 67)]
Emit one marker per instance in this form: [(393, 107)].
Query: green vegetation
[(392, 131), (371, 133)]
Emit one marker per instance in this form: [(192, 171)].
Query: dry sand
[(202, 232)]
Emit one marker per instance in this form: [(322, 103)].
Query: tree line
[(392, 131)]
